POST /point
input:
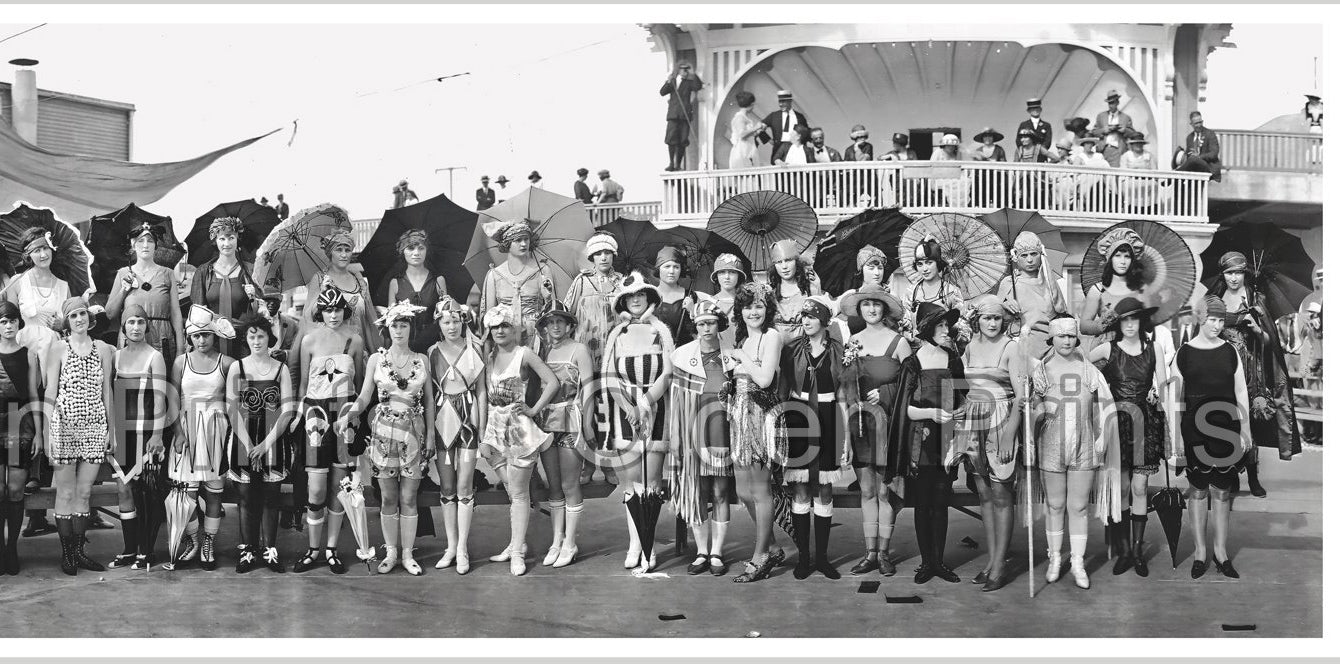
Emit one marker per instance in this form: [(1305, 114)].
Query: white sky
[(546, 97)]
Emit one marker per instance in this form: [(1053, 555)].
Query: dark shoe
[(699, 565), (993, 585), (924, 574), (38, 527), (1141, 567), (67, 564), (81, 559), (776, 558), (1256, 489), (866, 565), (122, 560), (12, 561), (826, 568), (803, 568), (142, 562), (271, 558), (886, 566), (945, 573), (333, 561), (1122, 565), (1226, 568), (307, 561), (717, 565), (980, 579), (753, 572), (1198, 569), (246, 562)]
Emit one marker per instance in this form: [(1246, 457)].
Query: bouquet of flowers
[(851, 361)]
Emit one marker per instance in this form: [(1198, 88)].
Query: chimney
[(24, 95)]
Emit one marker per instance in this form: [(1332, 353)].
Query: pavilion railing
[(1270, 151)]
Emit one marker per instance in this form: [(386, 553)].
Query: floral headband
[(500, 315), (411, 238), (224, 225), (758, 290), (401, 310)]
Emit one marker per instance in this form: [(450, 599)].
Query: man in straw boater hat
[(781, 121), (1041, 127)]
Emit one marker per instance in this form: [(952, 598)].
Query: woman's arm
[(429, 401), (174, 313), (481, 400), (117, 298), (1244, 406), (108, 356), (1176, 396), (582, 357), (287, 409), (159, 386), (37, 406), (1087, 320), (364, 395), (548, 380), (771, 357), (1100, 353), (234, 398)]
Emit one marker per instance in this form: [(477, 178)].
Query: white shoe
[(389, 562), (410, 564), (565, 556), (552, 554), (633, 558), (649, 563), (502, 556), (1077, 571), (462, 561), (448, 558), (519, 563), (1053, 567)]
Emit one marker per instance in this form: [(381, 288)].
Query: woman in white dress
[(38, 293), (744, 128)]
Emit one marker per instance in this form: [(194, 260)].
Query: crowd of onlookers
[(606, 189)]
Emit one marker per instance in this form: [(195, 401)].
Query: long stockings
[(932, 485), (258, 503)]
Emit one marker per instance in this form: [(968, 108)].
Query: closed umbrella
[(1169, 504), (180, 508)]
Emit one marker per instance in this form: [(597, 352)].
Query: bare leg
[(1220, 512), (988, 524), (1198, 508)]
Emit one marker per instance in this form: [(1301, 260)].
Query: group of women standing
[(769, 383)]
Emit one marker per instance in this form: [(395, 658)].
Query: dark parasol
[(257, 222), (449, 228), (109, 244), (835, 257), (72, 260)]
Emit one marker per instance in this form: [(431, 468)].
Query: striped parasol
[(975, 253), (754, 220)]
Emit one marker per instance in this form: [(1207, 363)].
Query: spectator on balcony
[(948, 149), (1075, 129), (900, 151), (1139, 193), (1041, 127), (1113, 145), (402, 195), (798, 150), (989, 148), (502, 187), (953, 191), (680, 86), (485, 197), (1312, 113), (1089, 187), (781, 121), (1027, 148), (1202, 150), (535, 180), (823, 154), (1114, 119), (1063, 185), (281, 208), (609, 191), (860, 149), (579, 189), (1031, 188), (745, 128)]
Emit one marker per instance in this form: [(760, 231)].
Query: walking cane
[(1028, 478)]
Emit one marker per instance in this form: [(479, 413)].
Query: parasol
[(639, 240), (835, 258), (292, 252), (1169, 266), (561, 226), (180, 508), (352, 498), (701, 248), (1008, 223), (1280, 266), (975, 253), (447, 225), (72, 260), (755, 220), (1169, 503), (257, 222), (109, 244)]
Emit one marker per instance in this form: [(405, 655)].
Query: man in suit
[(1202, 150), (282, 208), (485, 197), (781, 121), (1114, 126), (679, 111), (1040, 127), (823, 154)]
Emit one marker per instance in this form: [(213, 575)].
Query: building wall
[(78, 125)]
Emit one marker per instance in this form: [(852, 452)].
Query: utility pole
[(451, 179)]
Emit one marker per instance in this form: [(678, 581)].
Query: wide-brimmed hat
[(483, 178), (632, 285), (1128, 307), (534, 175), (1136, 137), (1089, 140), (995, 135), (930, 314), (851, 302), (1077, 125), (501, 179), (728, 263), (948, 138), (1112, 94), (561, 312)]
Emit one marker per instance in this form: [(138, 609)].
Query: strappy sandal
[(753, 572), (718, 565), (699, 564)]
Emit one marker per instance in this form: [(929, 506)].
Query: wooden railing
[(363, 229), (606, 212), (969, 187), (1269, 151)]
